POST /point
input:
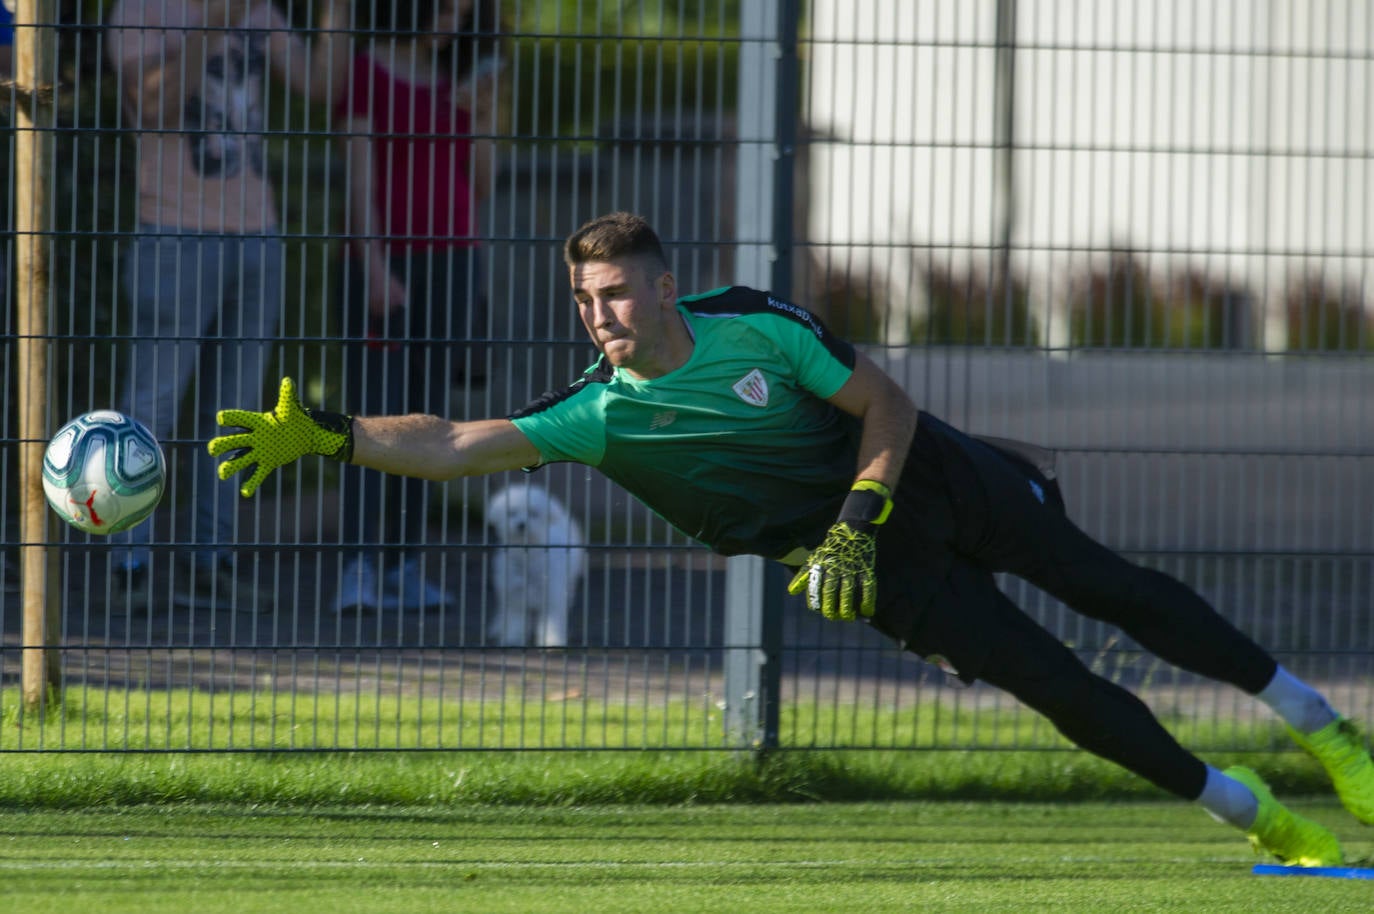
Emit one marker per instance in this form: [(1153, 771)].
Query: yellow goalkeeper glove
[(844, 562), (276, 438)]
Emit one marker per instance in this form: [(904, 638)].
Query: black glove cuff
[(339, 424), (868, 503)]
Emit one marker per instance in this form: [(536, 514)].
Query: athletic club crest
[(752, 388)]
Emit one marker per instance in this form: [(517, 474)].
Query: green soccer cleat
[(1341, 749), (1285, 834)]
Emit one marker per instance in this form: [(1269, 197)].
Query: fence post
[(1004, 141), (763, 228), (35, 56)]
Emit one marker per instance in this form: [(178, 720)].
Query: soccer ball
[(103, 472)]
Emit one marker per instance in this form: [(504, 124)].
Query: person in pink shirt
[(416, 121)]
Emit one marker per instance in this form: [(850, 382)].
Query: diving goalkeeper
[(745, 423)]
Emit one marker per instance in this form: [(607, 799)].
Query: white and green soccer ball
[(104, 472)]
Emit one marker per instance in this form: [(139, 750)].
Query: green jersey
[(737, 448)]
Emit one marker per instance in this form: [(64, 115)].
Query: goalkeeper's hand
[(273, 439), (844, 562)]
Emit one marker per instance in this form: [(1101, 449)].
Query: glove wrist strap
[(869, 502), (336, 424)]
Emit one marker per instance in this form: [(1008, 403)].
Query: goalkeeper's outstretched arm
[(426, 447), (429, 447)]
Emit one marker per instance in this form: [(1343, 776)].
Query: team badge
[(752, 388)]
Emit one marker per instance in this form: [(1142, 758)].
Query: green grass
[(642, 828), (311, 780), (940, 857), (663, 754), (525, 717)]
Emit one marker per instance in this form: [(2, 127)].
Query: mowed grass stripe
[(871, 857)]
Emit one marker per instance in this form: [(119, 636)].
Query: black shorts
[(964, 509)]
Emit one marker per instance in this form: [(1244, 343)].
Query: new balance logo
[(752, 388)]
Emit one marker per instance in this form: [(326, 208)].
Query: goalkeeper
[(741, 420)]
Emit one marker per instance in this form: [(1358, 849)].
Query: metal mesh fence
[(1137, 233)]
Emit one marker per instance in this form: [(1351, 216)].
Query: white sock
[(1302, 707), (1228, 800)]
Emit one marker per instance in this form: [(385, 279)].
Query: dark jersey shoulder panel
[(731, 300), (600, 373)]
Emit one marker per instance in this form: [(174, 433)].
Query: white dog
[(537, 568)]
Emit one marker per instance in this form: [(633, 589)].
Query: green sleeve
[(571, 429), (822, 366)]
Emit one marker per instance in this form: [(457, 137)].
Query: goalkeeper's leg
[(1109, 721), (1175, 623), (966, 621), (979, 511)]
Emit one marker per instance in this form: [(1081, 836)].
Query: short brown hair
[(615, 236)]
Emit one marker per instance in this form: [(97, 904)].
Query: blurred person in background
[(7, 81), (9, 577), (203, 274), (7, 39), (416, 124)]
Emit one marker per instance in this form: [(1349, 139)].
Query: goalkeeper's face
[(630, 312)]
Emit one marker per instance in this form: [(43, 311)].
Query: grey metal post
[(1004, 177), (763, 227)]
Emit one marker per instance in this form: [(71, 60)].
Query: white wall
[(1234, 137)]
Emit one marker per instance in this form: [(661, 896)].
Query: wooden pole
[(34, 74)]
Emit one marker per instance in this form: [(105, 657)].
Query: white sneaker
[(408, 588), (358, 587)]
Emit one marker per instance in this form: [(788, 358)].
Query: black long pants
[(967, 509)]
